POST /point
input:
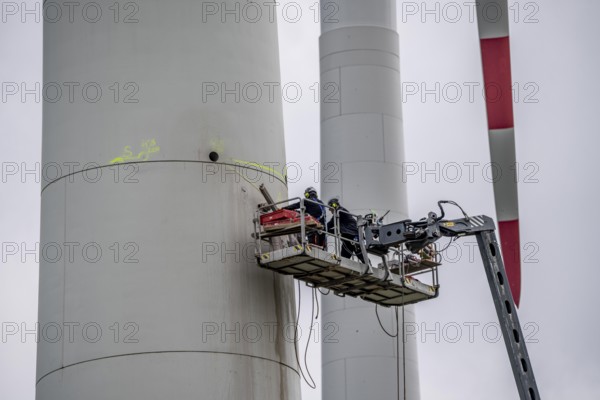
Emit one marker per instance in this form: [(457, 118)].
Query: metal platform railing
[(288, 248)]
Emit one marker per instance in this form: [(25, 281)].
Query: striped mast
[(492, 19)]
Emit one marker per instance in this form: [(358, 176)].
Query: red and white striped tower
[(492, 18)]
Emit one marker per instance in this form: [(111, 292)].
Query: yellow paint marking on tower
[(149, 147)]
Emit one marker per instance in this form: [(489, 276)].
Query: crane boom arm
[(507, 315), (418, 234)]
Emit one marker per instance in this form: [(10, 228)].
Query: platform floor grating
[(346, 277)]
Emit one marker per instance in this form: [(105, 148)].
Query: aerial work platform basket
[(283, 247), (293, 243)]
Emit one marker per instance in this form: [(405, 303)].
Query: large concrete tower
[(156, 292), (362, 154)]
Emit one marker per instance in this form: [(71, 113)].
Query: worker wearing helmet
[(348, 230), (316, 208)]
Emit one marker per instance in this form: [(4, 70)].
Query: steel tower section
[(157, 281), (362, 154)]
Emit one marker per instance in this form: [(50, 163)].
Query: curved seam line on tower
[(164, 352), (361, 26), (159, 161), (368, 161), (357, 113), (396, 55), (360, 65), (350, 358)]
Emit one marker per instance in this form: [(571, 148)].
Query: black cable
[(296, 328), (317, 300), (403, 346), (403, 352), (313, 385), (453, 239), (398, 358), (381, 325), (312, 313), (452, 203)]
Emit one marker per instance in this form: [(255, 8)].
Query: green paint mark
[(148, 147)]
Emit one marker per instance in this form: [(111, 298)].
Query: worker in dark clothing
[(316, 208), (348, 230)]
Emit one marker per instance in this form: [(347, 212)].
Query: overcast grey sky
[(555, 66)]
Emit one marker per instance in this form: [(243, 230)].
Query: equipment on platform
[(407, 250)]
